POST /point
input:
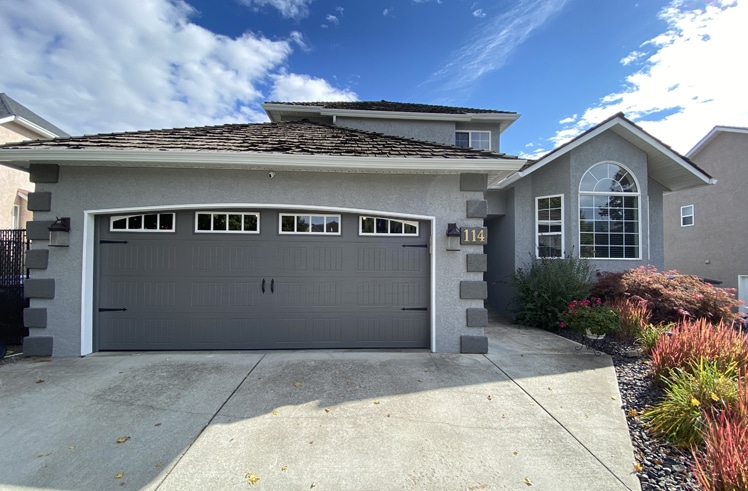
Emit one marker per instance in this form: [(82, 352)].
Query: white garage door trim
[(89, 227)]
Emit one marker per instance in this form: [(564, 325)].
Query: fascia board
[(260, 161), (45, 133), (7, 119)]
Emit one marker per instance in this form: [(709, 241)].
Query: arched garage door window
[(609, 200)]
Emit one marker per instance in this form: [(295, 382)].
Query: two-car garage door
[(268, 279)]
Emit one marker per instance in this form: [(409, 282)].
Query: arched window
[(609, 213)]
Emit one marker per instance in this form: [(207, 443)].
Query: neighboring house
[(328, 227), (598, 196), (18, 123), (705, 231)]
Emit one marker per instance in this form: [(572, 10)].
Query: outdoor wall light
[(453, 237), (59, 232)]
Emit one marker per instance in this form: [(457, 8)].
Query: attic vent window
[(479, 140)]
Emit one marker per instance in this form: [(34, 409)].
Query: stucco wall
[(11, 180), (431, 131), (714, 247), (86, 188)]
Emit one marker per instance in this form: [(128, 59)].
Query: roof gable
[(665, 165), (712, 135), (15, 111)]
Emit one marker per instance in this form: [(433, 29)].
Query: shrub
[(544, 287), (702, 388), (634, 315), (591, 316), (670, 297), (723, 463), (689, 342), (648, 336)]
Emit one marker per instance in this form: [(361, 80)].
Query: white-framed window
[(549, 226), (15, 217), (386, 226), (480, 140), (227, 222), (609, 209), (145, 222), (302, 223), (686, 216)]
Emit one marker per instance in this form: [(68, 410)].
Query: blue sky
[(673, 66)]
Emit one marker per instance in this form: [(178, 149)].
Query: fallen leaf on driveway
[(528, 481), (275, 413), (120, 475), (251, 478), (284, 467), (489, 397), (376, 402), (72, 447), (297, 384), (327, 409), (39, 381), (638, 467), (314, 485), (122, 439)]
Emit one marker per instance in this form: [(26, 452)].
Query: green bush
[(691, 393), (543, 288)]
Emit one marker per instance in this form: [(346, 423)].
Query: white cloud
[(91, 66), (491, 45), (291, 9), (387, 11), (303, 88), (332, 19), (693, 79), (632, 57), (479, 13), (568, 120)]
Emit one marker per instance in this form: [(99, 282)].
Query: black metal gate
[(13, 272)]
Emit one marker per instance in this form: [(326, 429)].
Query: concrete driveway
[(534, 413)]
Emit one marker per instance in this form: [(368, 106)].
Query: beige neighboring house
[(706, 229), (18, 123)]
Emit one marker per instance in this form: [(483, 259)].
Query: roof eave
[(273, 111), (42, 132), (21, 158)]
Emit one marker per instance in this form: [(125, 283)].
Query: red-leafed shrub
[(670, 297), (634, 315), (722, 465), (691, 341)]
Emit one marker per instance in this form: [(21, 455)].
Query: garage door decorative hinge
[(421, 309), (122, 309)]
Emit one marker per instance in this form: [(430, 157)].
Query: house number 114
[(474, 236)]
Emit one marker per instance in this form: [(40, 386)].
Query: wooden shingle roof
[(294, 137)]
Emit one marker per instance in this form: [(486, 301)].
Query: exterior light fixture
[(59, 232), (453, 237)]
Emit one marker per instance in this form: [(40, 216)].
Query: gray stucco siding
[(82, 189), (431, 131)]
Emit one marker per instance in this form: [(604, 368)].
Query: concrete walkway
[(533, 413)]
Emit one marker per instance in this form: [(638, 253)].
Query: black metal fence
[(13, 272)]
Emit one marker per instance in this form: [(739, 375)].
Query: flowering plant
[(591, 316)]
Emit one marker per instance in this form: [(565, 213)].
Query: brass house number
[(474, 236)]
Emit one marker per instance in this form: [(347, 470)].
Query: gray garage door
[(194, 280)]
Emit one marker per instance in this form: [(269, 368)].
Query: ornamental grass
[(691, 341), (722, 464)]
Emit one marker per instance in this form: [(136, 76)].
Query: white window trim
[(638, 194), (15, 217), (683, 215), (470, 137), (388, 234), (143, 230), (227, 213), (539, 222), (282, 232)]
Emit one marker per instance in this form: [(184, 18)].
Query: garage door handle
[(420, 309), (263, 285), (113, 310), (272, 285)]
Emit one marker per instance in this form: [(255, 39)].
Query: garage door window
[(387, 226), (227, 222), (309, 224), (147, 222)]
